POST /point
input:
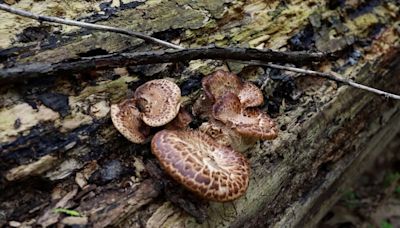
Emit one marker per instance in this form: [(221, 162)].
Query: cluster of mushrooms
[(207, 161)]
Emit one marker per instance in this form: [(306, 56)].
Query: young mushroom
[(250, 122), (227, 136), (221, 82), (181, 121), (126, 118), (208, 169), (250, 95), (159, 101)]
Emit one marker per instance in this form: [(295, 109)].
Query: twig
[(331, 76), (32, 70), (108, 61), (58, 20)]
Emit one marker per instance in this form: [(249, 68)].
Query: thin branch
[(27, 71), (32, 70), (88, 26), (331, 76)]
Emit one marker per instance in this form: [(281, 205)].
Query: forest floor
[(374, 200)]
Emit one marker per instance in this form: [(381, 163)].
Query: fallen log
[(58, 148)]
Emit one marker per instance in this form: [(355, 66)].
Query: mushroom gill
[(158, 101), (250, 122), (210, 170), (126, 118)]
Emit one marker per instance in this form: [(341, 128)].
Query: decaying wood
[(34, 70), (9, 75), (42, 18), (56, 136)]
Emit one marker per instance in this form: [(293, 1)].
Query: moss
[(364, 21), (118, 89)]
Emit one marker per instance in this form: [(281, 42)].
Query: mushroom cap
[(181, 121), (210, 170), (226, 136), (220, 82), (250, 122), (158, 101), (250, 95), (126, 118)]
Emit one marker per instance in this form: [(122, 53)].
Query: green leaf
[(386, 224), (68, 212)]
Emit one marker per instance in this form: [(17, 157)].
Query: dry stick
[(167, 44), (41, 18), (331, 76), (32, 70)]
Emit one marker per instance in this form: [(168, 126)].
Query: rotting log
[(58, 147)]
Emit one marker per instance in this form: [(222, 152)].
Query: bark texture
[(58, 148)]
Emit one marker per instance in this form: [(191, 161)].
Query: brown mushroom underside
[(250, 122), (126, 118), (158, 101), (210, 170)]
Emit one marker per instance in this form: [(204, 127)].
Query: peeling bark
[(58, 147)]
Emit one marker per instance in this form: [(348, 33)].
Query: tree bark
[(58, 148)]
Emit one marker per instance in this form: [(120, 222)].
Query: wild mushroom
[(159, 101), (181, 121), (249, 122), (210, 170), (126, 118), (227, 136), (250, 95), (219, 83)]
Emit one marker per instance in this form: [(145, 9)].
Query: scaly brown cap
[(126, 118), (220, 82), (249, 122), (210, 170), (158, 101), (250, 95)]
